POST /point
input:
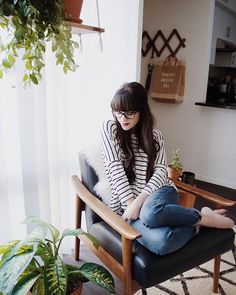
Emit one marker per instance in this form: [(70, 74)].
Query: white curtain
[(43, 127)]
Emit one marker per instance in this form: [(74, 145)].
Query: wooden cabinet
[(225, 59)]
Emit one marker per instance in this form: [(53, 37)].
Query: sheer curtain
[(43, 127)]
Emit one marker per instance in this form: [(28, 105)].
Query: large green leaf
[(74, 270), (31, 268), (98, 275), (55, 277), (38, 288), (43, 253), (78, 232), (4, 248), (12, 268), (18, 258), (72, 232), (24, 284), (38, 234), (35, 220)]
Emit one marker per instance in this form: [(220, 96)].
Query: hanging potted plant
[(30, 24), (175, 168), (34, 264)]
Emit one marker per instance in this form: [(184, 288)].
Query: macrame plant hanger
[(99, 33), (99, 25), (150, 45)]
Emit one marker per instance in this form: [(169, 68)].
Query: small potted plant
[(30, 25), (34, 264), (175, 168)]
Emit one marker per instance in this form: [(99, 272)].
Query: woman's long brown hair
[(133, 97)]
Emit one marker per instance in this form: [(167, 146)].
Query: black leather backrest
[(89, 179)]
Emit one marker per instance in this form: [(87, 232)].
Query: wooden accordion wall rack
[(149, 44)]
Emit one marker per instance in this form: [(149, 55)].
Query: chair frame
[(128, 234)]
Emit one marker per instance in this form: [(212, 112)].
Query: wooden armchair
[(133, 264)]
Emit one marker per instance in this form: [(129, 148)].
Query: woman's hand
[(134, 207)]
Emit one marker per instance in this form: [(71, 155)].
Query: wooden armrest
[(110, 217), (204, 194)]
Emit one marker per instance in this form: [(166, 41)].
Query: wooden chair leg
[(127, 265), (216, 274), (78, 216)]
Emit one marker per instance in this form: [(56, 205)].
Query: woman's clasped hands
[(134, 206)]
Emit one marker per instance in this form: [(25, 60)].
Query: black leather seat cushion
[(207, 244)]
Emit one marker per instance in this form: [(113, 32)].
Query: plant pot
[(78, 291), (72, 9), (173, 173), (74, 286)]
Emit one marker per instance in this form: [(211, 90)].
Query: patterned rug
[(199, 280)]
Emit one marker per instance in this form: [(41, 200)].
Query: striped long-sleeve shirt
[(113, 158)]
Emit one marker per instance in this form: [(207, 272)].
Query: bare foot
[(211, 218), (221, 211)]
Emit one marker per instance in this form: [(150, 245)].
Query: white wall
[(204, 135)]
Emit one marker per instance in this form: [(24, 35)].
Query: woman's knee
[(161, 245), (153, 207), (166, 240), (151, 215)]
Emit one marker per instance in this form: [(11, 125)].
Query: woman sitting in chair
[(136, 167)]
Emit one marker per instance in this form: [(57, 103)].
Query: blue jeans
[(165, 226)]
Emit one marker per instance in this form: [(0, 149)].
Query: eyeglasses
[(128, 115)]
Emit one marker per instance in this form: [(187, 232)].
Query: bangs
[(125, 101)]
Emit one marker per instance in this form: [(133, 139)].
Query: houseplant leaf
[(31, 268), (55, 277), (72, 232), (12, 268), (38, 288), (74, 271), (7, 246), (78, 232), (25, 283), (35, 220), (99, 275), (37, 234), (44, 253)]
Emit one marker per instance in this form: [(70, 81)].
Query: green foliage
[(175, 160), (55, 277), (34, 264), (30, 25), (98, 275)]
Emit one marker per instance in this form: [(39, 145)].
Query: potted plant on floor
[(175, 168), (30, 24), (34, 264)]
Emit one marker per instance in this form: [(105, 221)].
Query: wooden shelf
[(215, 105), (84, 29)]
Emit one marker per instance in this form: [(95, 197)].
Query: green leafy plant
[(30, 24), (175, 160), (34, 264)]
